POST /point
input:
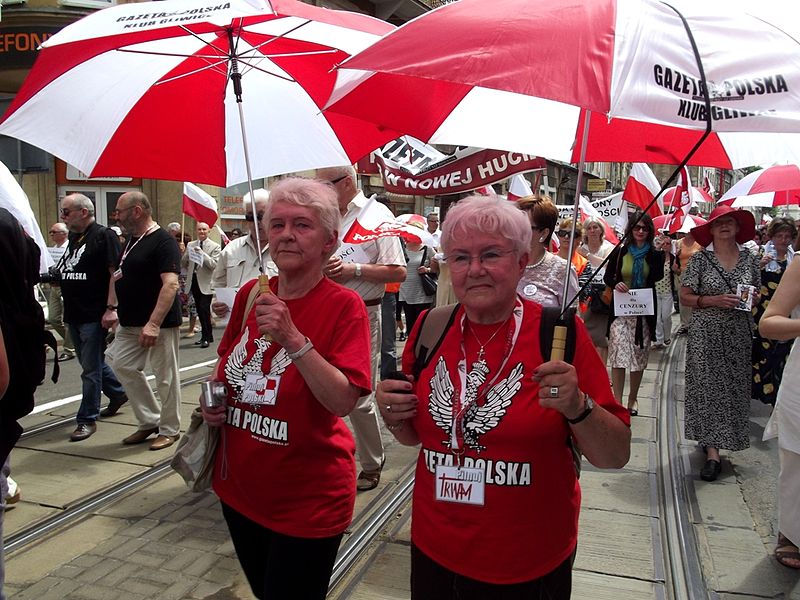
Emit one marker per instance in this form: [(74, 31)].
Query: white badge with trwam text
[(261, 389), (460, 484)]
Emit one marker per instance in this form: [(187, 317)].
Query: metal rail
[(685, 581), (362, 536)]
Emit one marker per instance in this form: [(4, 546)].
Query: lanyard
[(460, 409), (129, 246)]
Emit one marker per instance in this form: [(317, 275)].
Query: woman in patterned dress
[(543, 279), (636, 264), (769, 356), (718, 369)]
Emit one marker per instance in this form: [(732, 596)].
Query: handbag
[(430, 281), (196, 451), (599, 301)]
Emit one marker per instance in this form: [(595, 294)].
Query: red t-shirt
[(291, 465), (528, 524)]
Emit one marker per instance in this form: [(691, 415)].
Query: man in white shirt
[(55, 304), (364, 268), (239, 260), (433, 227)]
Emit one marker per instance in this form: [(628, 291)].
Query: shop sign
[(19, 45)]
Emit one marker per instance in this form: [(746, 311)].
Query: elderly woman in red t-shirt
[(285, 469), (496, 497)]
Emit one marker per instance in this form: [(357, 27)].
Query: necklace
[(482, 345), (538, 262)]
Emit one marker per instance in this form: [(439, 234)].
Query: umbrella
[(535, 77), (774, 186), (176, 89), (413, 219), (662, 222), (521, 75)]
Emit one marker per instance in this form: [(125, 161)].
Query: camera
[(53, 276), (213, 394)]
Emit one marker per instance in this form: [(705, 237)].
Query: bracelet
[(301, 352), (396, 427), (699, 305), (111, 307)]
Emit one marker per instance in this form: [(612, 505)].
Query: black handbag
[(429, 280)]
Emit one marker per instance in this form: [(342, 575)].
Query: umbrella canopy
[(516, 75), (774, 186), (663, 222), (149, 90)]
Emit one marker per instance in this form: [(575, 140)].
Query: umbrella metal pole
[(560, 330)]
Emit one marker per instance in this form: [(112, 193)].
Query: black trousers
[(202, 303), (281, 567), (431, 581)]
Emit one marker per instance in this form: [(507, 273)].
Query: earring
[(541, 240)]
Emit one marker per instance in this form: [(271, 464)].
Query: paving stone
[(127, 547), (95, 591), (618, 492), (142, 587)]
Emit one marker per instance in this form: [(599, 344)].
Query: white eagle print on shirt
[(237, 370), (478, 419)]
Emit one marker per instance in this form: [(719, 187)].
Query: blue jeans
[(97, 376)]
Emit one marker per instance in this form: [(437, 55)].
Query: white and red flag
[(486, 190), (372, 222), (199, 205), (708, 187), (14, 200), (681, 200), (587, 210), (518, 187), (641, 188)]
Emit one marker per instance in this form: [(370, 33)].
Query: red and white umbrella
[(516, 75), (151, 89), (696, 195), (774, 186)]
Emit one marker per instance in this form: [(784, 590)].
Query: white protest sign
[(226, 295), (634, 303), (196, 255)]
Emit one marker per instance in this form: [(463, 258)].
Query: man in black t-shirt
[(91, 256), (144, 302)]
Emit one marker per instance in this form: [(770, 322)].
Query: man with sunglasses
[(239, 261), (86, 269), (365, 268)]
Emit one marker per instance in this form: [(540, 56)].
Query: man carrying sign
[(201, 258)]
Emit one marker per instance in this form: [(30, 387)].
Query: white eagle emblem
[(237, 370), (478, 419)]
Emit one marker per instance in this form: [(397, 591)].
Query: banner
[(608, 208), (408, 166)]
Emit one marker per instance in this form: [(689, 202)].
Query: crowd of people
[(483, 394)]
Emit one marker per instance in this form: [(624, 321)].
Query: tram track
[(683, 572)]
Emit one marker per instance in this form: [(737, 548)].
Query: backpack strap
[(546, 327), (432, 329)]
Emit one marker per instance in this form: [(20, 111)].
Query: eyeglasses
[(488, 259), (563, 233), (55, 232), (641, 228), (66, 211), (249, 217), (333, 181)]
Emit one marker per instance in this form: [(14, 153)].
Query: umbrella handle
[(263, 288), (559, 342)]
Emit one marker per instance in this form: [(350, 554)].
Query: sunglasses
[(563, 233), (66, 211), (641, 228), (334, 181), (249, 217)]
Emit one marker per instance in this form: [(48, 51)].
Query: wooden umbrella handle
[(559, 342)]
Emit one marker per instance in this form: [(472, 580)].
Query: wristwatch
[(301, 352), (358, 269), (589, 406)]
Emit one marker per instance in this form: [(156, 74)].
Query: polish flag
[(199, 205), (485, 190), (587, 210), (222, 235), (641, 188), (376, 221), (518, 188), (707, 186), (681, 200)]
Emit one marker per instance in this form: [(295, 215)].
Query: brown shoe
[(139, 436), (163, 441), (82, 431), (369, 480)]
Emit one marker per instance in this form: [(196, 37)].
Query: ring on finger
[(554, 392)]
